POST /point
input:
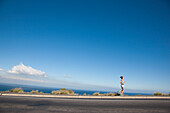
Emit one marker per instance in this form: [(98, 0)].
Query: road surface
[(10, 104)]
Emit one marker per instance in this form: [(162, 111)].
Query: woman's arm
[(121, 81)]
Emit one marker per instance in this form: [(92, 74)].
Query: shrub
[(106, 94), (111, 94), (157, 93), (7, 91), (56, 92), (21, 92), (70, 91), (64, 92), (41, 92), (117, 94), (84, 94), (164, 94), (63, 89), (96, 94), (34, 91), (17, 90)]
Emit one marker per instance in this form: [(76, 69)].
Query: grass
[(111, 94), (7, 91), (70, 91), (96, 94), (106, 94), (17, 90), (160, 94), (157, 94), (41, 92), (84, 94), (56, 92), (165, 95), (63, 91), (34, 91)]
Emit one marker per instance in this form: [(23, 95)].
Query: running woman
[(122, 85)]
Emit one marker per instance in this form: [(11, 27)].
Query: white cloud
[(21, 78), (27, 70), (1, 69)]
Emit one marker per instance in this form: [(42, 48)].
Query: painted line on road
[(89, 97)]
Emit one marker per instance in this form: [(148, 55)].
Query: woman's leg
[(122, 90)]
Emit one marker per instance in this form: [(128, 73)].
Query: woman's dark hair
[(121, 77)]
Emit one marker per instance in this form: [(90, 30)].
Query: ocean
[(28, 88)]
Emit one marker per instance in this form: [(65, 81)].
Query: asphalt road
[(56, 105)]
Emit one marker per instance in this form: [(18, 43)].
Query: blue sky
[(88, 43)]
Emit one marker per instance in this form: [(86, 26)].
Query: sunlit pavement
[(15, 104)]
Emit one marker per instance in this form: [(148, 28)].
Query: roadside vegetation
[(20, 90), (34, 91), (160, 94), (64, 91), (17, 90), (157, 94), (84, 94), (96, 94), (106, 94)]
